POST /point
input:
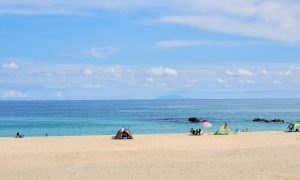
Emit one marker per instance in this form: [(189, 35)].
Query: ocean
[(63, 118)]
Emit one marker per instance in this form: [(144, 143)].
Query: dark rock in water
[(196, 120), (277, 121), (172, 119), (260, 120), (268, 121)]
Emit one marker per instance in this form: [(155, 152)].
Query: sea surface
[(60, 118)]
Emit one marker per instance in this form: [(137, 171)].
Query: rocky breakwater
[(268, 121)]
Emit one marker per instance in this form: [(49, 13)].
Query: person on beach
[(192, 131), (226, 127), (18, 135)]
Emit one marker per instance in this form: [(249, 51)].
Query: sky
[(142, 49)]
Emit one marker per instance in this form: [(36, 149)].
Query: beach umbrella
[(206, 124)]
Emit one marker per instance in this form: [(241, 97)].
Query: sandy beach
[(255, 155)]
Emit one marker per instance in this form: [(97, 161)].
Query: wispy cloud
[(162, 71), (101, 52), (265, 19), (10, 66), (247, 81), (149, 79), (188, 43), (221, 81), (12, 94), (273, 20), (260, 29), (275, 82), (240, 73), (87, 72), (176, 43)]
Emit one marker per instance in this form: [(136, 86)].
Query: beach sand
[(255, 155)]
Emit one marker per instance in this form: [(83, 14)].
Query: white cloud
[(230, 73), (277, 73), (92, 86), (284, 73), (187, 43), (9, 93), (114, 71), (161, 71), (245, 72), (276, 82), (248, 81), (64, 7), (101, 52), (240, 72), (221, 81), (87, 72), (273, 20), (295, 67), (265, 19), (10, 66), (175, 43), (264, 72), (149, 79), (117, 71)]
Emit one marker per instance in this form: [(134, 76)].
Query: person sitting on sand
[(18, 135), (192, 131), (200, 132)]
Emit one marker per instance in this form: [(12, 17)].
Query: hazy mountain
[(171, 96)]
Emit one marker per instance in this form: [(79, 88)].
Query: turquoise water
[(36, 118)]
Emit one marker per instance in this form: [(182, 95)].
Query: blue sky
[(136, 49)]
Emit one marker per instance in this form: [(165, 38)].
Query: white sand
[(259, 155)]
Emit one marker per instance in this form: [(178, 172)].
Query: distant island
[(170, 97)]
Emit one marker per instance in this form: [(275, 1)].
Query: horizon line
[(146, 99)]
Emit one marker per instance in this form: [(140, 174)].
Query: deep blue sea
[(36, 118)]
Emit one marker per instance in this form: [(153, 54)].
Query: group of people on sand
[(200, 132), (196, 131)]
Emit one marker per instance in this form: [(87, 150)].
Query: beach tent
[(222, 131), (294, 126), (123, 134)]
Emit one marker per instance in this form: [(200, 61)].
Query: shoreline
[(111, 135)]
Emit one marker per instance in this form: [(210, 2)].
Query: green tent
[(223, 131)]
